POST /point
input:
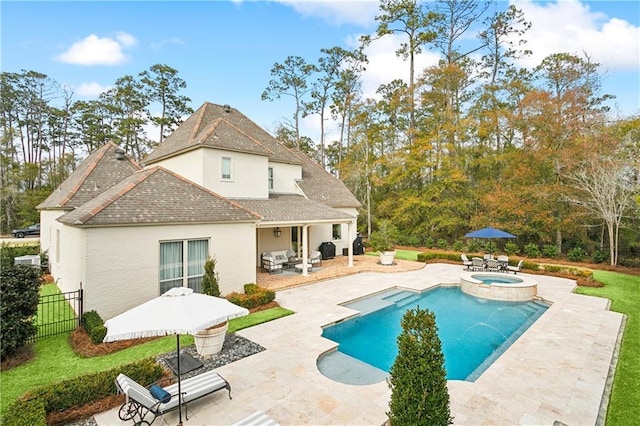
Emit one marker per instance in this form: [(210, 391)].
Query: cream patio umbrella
[(178, 311)]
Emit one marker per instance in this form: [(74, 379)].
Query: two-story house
[(218, 186)]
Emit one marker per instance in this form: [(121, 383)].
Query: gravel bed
[(235, 347)]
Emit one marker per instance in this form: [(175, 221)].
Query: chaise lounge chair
[(466, 262), (515, 269), (157, 401), (477, 264)]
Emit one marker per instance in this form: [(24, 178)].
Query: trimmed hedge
[(66, 394), (253, 296), (528, 265), (94, 326)]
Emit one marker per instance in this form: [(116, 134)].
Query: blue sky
[(225, 50)]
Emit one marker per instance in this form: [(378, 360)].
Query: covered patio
[(333, 268)]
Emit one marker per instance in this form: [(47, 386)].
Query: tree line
[(472, 141), (45, 133)]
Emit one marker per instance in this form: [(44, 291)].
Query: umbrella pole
[(179, 384)]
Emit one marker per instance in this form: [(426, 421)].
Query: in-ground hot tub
[(497, 286)]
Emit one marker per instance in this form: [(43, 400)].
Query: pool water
[(473, 331), (495, 279)]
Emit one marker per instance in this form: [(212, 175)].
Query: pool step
[(402, 298)]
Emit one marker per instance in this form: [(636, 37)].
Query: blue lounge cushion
[(160, 394)]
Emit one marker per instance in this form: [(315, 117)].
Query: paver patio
[(556, 371)]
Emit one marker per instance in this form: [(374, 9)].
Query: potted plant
[(383, 242), (210, 340)]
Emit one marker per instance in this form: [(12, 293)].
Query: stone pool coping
[(507, 292), (556, 371)]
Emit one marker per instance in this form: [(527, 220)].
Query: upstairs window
[(226, 168), (270, 178)]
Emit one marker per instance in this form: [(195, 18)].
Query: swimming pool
[(474, 331)]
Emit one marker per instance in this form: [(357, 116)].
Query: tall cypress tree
[(418, 381)]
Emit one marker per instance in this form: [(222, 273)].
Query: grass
[(623, 290), (56, 310), (401, 254), (55, 360)]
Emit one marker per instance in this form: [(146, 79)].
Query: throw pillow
[(160, 394)]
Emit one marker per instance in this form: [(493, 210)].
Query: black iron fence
[(58, 313)]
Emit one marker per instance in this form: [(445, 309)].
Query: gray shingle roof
[(320, 185), (157, 196), (216, 126), (292, 208), (97, 173)]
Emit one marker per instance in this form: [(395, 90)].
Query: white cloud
[(384, 65), (570, 26), (337, 12), (90, 90), (94, 50), (172, 41)]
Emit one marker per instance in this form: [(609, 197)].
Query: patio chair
[(503, 261), (477, 264), (466, 262), (140, 401), (493, 265), (270, 265), (315, 258), (515, 269)]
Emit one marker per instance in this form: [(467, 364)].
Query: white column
[(350, 242), (305, 249)]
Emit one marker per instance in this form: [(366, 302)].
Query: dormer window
[(226, 168), (270, 178)]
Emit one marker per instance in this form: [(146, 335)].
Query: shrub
[(19, 287), (210, 283), (511, 248), (442, 244), (254, 296), (576, 254), (384, 238), (531, 250), (458, 245), (490, 247), (26, 412), (550, 251), (599, 256), (428, 242), (94, 326), (475, 246), (64, 395), (417, 378)]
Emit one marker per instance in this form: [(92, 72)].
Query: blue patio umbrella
[(489, 233)]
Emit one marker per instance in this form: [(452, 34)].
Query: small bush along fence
[(253, 296), (64, 395), (94, 326)]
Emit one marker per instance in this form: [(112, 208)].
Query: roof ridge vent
[(227, 108)]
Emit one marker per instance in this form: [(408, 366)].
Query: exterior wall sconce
[(277, 232)]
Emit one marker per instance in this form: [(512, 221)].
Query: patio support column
[(305, 249), (350, 249)]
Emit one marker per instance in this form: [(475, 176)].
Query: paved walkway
[(556, 371)]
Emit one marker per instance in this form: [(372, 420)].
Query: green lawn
[(624, 292), (55, 361)]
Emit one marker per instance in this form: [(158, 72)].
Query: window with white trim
[(182, 264), (336, 231), (270, 178), (226, 168)]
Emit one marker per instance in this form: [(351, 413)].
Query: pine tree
[(418, 382)]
